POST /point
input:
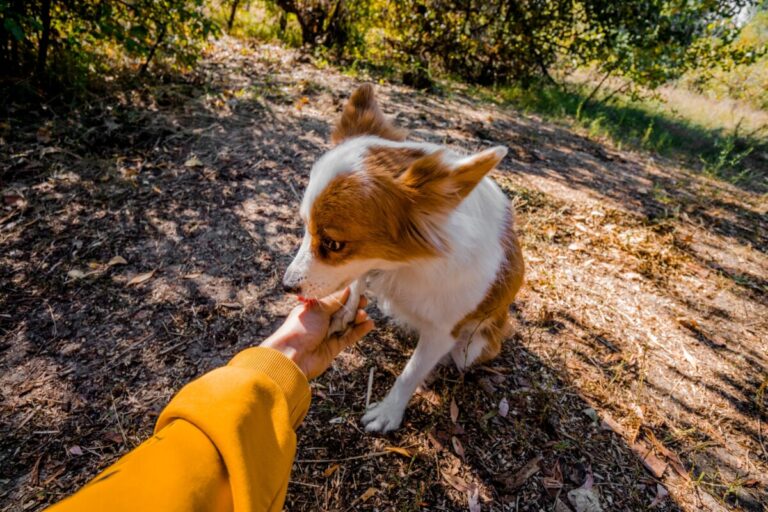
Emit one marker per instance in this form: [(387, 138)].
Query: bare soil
[(639, 356)]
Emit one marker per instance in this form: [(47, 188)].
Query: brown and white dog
[(420, 226)]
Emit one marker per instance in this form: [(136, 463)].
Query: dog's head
[(374, 202)]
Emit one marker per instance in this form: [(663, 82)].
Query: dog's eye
[(332, 245)]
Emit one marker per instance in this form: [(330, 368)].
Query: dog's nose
[(291, 288)]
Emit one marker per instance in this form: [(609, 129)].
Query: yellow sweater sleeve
[(225, 442)]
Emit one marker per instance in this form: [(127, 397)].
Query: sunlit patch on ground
[(638, 359)]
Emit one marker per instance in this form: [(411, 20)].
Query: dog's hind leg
[(386, 415), (481, 342)]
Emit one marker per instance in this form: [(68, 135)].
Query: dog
[(424, 230)]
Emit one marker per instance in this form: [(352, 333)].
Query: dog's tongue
[(307, 301)]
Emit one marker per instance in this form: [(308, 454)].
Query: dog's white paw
[(383, 417), (343, 318)]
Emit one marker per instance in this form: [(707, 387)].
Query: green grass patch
[(646, 124)]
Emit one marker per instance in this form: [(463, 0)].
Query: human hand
[(303, 335)]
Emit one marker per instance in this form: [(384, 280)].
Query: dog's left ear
[(433, 186), (362, 116), (443, 185), (468, 172)]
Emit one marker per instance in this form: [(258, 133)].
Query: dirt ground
[(142, 241)]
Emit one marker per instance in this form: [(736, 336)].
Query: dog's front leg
[(386, 415), (344, 317)]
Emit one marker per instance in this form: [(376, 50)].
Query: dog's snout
[(291, 288)]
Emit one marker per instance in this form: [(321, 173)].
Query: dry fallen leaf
[(454, 410), (555, 479), (661, 494), (400, 451), (457, 447), (117, 260), (192, 275), (12, 199), (518, 478), (140, 278), (331, 470), (503, 408), (584, 499), (473, 499), (456, 482), (690, 323), (368, 494), (652, 463), (301, 102), (231, 305), (75, 450), (76, 274), (193, 162), (113, 437)]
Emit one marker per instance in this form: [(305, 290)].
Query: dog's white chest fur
[(436, 293)]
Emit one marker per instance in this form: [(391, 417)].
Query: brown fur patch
[(394, 161), (370, 214), (362, 116), (393, 210), (490, 318)]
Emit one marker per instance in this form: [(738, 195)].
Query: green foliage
[(79, 34), (745, 79), (728, 155), (495, 41), (642, 123)]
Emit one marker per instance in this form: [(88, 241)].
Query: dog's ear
[(432, 187), (445, 184), (362, 116)]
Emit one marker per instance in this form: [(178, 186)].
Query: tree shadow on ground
[(198, 182)]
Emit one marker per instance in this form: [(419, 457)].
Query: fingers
[(360, 317), (357, 332), (334, 302), (336, 344)]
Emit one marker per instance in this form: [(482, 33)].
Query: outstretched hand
[(303, 337)]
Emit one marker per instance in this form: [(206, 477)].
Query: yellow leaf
[(454, 410), (331, 470), (140, 278), (193, 162), (398, 450), (368, 494), (117, 260)]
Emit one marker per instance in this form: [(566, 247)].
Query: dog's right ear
[(362, 116)]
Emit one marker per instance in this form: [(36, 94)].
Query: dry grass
[(638, 354)]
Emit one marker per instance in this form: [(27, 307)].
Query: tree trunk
[(308, 23), (231, 21), (152, 51), (592, 94), (45, 36)]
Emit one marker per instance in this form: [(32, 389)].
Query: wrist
[(284, 345)]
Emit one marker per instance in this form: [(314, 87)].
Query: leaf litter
[(595, 327)]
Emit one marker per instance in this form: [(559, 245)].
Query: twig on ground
[(119, 424), (370, 387), (356, 457), (293, 189), (173, 347)]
